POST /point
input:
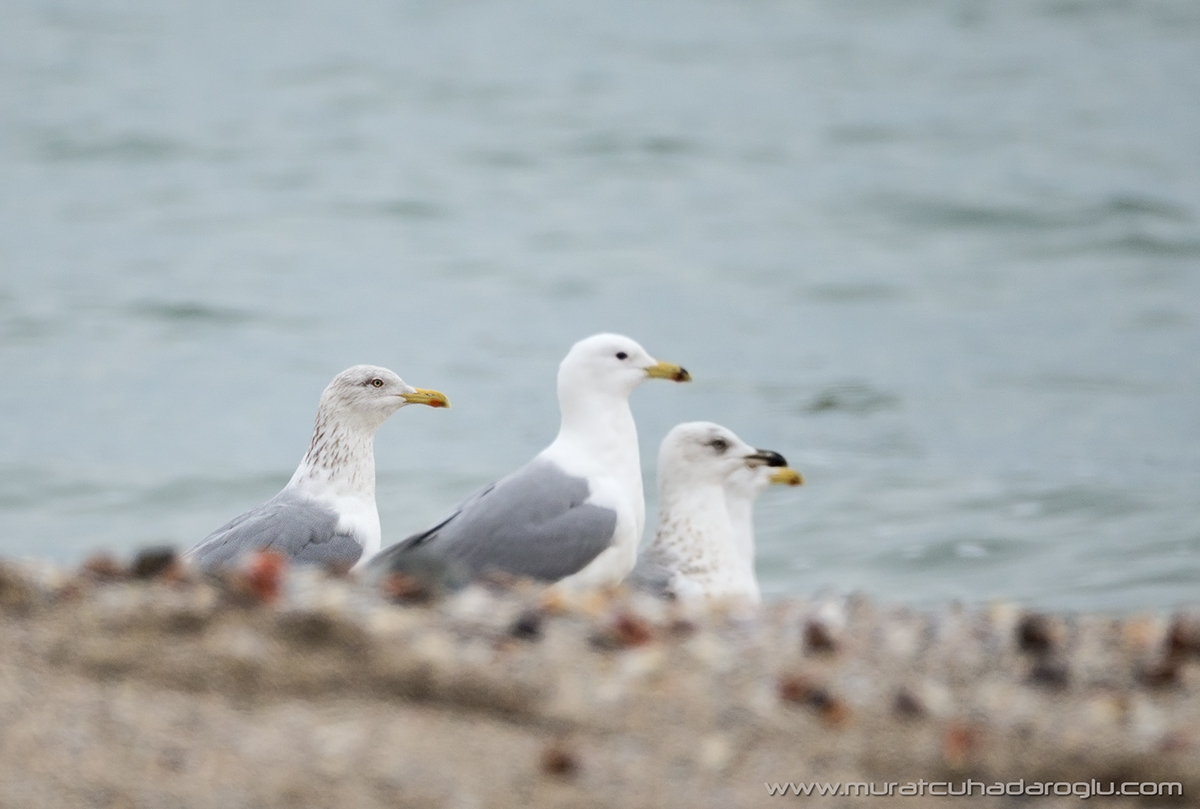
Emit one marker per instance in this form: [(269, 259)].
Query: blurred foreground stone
[(150, 687)]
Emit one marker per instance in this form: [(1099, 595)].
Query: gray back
[(300, 529), (532, 523)]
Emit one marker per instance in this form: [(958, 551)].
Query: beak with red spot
[(432, 398)]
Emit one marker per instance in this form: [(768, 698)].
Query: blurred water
[(943, 255)]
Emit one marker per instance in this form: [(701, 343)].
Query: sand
[(147, 687)]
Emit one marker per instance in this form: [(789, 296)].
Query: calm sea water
[(945, 256)]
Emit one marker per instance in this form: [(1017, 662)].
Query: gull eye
[(377, 382), (719, 444), (621, 355)]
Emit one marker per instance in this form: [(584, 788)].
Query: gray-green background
[(945, 256)]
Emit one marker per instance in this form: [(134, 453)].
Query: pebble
[(965, 683)]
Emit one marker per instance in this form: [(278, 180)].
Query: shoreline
[(128, 686)]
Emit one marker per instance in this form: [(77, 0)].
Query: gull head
[(368, 394), (700, 452), (613, 363)]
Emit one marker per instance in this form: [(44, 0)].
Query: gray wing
[(532, 523), (303, 531), (651, 576)]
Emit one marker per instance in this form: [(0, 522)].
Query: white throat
[(598, 440), (706, 543), (339, 471), (740, 508)]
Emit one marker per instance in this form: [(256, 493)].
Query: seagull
[(575, 513), (708, 479), (326, 513)]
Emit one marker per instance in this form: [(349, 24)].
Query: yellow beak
[(787, 476), (432, 398), (666, 370)]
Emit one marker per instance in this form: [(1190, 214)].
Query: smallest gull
[(708, 479), (326, 513)]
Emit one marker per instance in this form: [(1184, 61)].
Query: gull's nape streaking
[(703, 548), (575, 513), (326, 513)]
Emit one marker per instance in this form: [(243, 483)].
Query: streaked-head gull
[(703, 548), (575, 513), (326, 513)]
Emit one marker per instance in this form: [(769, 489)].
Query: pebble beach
[(139, 684)]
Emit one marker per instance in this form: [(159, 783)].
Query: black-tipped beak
[(668, 370), (765, 457)]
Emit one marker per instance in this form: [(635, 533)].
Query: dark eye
[(719, 444), (621, 355), (377, 382)]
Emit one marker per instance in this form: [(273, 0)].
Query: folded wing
[(302, 530), (535, 523)]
